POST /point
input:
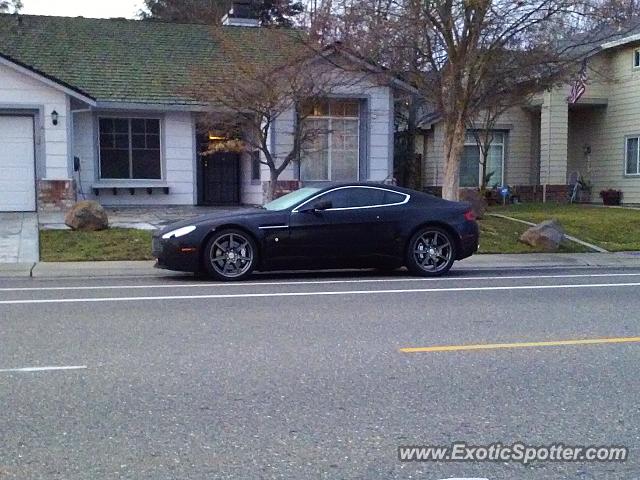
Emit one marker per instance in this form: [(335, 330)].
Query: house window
[(130, 148), (636, 58), (632, 156), (470, 168), (256, 166), (331, 153)]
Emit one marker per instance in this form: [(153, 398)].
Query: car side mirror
[(317, 207)]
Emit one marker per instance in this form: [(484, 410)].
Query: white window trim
[(406, 199), (330, 119), (131, 180), (475, 143), (626, 155)]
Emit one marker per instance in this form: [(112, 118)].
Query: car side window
[(358, 197), (393, 197)]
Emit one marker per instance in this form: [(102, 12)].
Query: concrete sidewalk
[(19, 237), (477, 262)]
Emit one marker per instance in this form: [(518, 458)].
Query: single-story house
[(543, 146), (99, 109)]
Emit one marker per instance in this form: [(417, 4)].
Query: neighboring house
[(547, 143), (100, 109)]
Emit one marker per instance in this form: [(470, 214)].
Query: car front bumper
[(176, 254)]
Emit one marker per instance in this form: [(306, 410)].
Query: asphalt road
[(303, 376)]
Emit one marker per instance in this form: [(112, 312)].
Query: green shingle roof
[(130, 60)]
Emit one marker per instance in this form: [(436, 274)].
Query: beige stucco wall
[(609, 129), (608, 112), (519, 158)]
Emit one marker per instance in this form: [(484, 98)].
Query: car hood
[(216, 217)]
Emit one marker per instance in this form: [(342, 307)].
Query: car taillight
[(470, 216)]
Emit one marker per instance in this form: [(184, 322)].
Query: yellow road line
[(495, 346)]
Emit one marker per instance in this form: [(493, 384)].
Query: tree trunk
[(273, 186), (453, 147)]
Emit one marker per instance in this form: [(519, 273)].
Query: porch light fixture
[(54, 117), (216, 138)]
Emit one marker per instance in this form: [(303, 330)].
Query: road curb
[(98, 270), (16, 270), (484, 262)]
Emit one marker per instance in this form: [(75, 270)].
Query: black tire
[(427, 259), (230, 255)]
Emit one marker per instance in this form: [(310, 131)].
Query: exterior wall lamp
[(54, 117)]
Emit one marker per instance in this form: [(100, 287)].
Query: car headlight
[(180, 232)]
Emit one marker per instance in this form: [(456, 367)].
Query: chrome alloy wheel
[(433, 251), (231, 255)]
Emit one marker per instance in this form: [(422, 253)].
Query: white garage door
[(17, 165)]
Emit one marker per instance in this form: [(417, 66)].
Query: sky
[(83, 8)]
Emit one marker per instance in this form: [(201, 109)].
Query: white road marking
[(41, 369), (314, 294), (308, 282)]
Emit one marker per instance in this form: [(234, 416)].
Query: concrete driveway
[(19, 238)]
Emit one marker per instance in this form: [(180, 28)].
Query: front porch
[(569, 147), (136, 217)]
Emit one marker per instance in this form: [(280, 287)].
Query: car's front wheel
[(230, 255), (431, 252)]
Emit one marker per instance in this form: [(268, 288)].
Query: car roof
[(395, 188)]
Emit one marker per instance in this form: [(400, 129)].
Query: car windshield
[(291, 199)]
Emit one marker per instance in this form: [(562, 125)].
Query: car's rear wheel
[(431, 252), (230, 255)]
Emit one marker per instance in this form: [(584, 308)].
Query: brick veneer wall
[(282, 187), (56, 195)]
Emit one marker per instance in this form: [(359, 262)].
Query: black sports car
[(340, 226)]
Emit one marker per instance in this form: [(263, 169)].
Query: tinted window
[(393, 197), (359, 197)]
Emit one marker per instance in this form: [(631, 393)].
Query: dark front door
[(221, 179)]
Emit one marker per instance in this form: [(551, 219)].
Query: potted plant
[(611, 197)]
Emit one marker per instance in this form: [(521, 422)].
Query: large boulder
[(547, 235), (87, 215), (477, 200)]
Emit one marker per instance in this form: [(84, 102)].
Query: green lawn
[(611, 228), (112, 244), (498, 235), (614, 229)]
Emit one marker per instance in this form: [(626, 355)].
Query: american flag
[(580, 86)]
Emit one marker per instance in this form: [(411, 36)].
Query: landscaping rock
[(88, 216), (476, 199), (547, 235)]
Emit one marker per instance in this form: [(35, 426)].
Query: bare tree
[(255, 94), (484, 135), (462, 54)]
